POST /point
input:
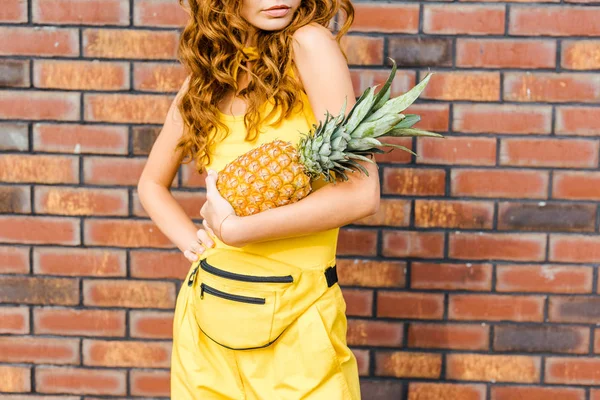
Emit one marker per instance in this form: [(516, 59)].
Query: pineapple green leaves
[(338, 143)]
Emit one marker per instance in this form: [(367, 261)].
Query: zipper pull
[(192, 276), (202, 291)]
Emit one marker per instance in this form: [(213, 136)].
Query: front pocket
[(234, 317), (243, 277), (233, 297)]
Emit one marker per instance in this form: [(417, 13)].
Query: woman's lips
[(277, 12)]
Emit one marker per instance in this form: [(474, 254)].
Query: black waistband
[(331, 276)]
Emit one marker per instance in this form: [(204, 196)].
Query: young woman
[(259, 70)]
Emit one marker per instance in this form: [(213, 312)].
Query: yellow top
[(306, 251)]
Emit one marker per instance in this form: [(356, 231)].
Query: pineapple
[(278, 173)]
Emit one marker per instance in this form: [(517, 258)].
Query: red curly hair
[(209, 47)]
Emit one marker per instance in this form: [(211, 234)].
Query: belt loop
[(331, 276)]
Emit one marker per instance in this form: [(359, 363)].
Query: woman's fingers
[(207, 228), (190, 255), (204, 238)]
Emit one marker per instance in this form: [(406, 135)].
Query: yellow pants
[(310, 360)]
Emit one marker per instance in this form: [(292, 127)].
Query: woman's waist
[(307, 252)]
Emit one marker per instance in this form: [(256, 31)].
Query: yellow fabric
[(303, 327), (307, 251)]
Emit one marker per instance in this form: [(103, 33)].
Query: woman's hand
[(216, 208), (198, 247)]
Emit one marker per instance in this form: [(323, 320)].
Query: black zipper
[(192, 275), (228, 296), (246, 278)]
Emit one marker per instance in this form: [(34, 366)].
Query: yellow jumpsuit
[(310, 359)]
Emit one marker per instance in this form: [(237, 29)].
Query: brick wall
[(477, 279)]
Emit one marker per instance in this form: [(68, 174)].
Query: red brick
[(596, 341), (551, 87), (81, 75), (38, 290), (392, 212), (463, 19), (408, 365), (126, 353), (382, 389), (374, 333), (15, 199), (541, 339), (463, 85), (595, 394), (578, 309), (158, 77), (14, 260), (502, 246), (581, 54), (493, 368), (81, 12), (36, 105), (503, 53), (39, 41), (554, 21), (359, 302), (39, 350), (80, 381), (451, 276), (489, 307), (449, 336), (396, 156), (544, 278), (410, 305), (77, 139), (79, 262), (363, 361), (413, 244), (15, 136), (368, 273), (457, 151), (578, 121), (414, 181), (39, 168), (163, 13), (14, 11), (14, 320), (81, 201), (575, 185), (363, 50), (151, 264), (150, 383), (542, 216), (574, 371), (128, 108), (499, 183), (191, 178), (434, 117), (362, 79), (15, 379), (560, 153), (536, 393), (39, 230), (190, 202), (151, 324), (113, 170), (68, 322), (415, 51), (454, 214), (502, 118), (445, 391), (357, 242), (389, 18), (131, 294), (132, 44)]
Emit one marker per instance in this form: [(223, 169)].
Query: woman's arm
[(326, 80), (155, 181)]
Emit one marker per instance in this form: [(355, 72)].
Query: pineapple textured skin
[(266, 177)]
